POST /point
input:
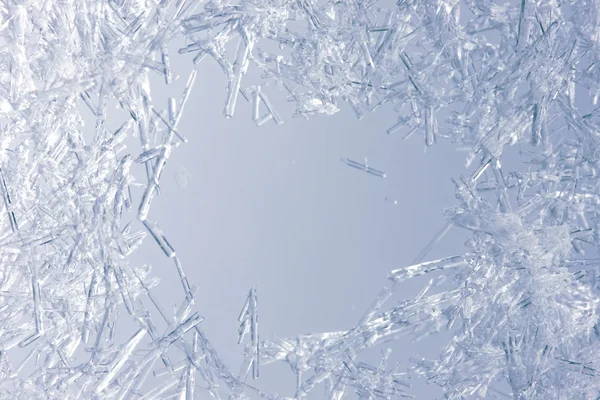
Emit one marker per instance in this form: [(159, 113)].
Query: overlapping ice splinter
[(523, 304)]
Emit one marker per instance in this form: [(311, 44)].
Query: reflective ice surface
[(493, 77)]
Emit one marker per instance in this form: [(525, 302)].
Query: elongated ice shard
[(249, 324), (37, 304), (364, 167), (160, 239), (120, 360), (8, 203), (91, 292), (184, 281), (239, 69)]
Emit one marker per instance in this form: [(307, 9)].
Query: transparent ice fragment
[(120, 360), (316, 105), (249, 324), (158, 236), (256, 96), (365, 167)]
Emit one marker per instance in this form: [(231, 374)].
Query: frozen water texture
[(522, 304)]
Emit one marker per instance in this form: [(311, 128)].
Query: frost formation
[(522, 303)]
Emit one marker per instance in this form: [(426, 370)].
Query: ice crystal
[(364, 167), (522, 304)]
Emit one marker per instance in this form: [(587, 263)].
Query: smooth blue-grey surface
[(276, 207)]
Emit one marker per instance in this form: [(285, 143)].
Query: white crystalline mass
[(522, 303)]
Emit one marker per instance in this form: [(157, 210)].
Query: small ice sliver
[(363, 167)]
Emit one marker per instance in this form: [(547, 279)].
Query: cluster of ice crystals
[(522, 304)]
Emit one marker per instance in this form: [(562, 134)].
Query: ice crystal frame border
[(525, 302)]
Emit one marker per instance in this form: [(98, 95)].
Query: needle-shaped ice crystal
[(363, 166), (249, 324)]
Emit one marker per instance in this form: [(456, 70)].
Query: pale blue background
[(275, 207)]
